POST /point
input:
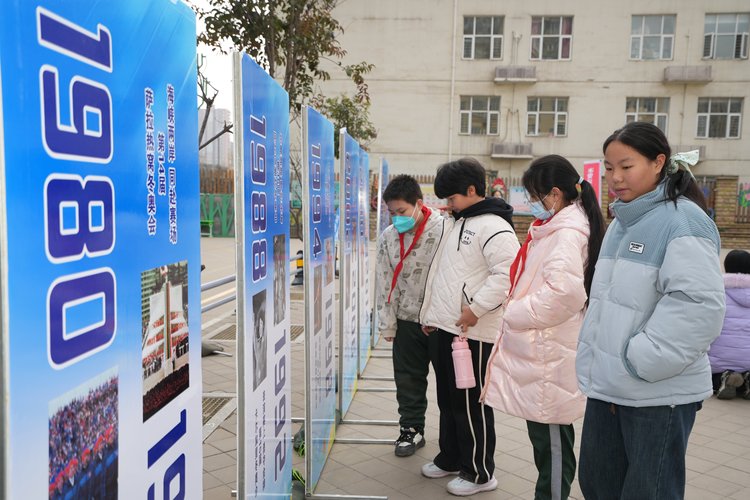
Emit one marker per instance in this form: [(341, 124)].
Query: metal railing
[(215, 284)]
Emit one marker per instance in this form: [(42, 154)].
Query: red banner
[(592, 173)]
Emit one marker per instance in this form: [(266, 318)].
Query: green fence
[(219, 209)]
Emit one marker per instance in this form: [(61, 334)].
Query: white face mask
[(538, 209)]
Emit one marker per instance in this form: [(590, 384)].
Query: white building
[(506, 81), (220, 153)]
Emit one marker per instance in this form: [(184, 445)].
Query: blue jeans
[(634, 453)]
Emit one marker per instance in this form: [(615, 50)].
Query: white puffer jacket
[(472, 268)]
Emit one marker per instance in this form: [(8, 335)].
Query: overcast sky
[(216, 66)]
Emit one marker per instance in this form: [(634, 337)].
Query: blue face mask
[(538, 210), (404, 223)]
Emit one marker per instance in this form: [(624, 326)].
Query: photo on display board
[(83, 444), (317, 298), (280, 267), (330, 257), (164, 335), (260, 339)]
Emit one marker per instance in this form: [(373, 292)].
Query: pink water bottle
[(462, 364)]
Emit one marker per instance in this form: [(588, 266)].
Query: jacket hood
[(738, 288), (496, 206)]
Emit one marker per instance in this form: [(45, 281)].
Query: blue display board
[(349, 275), (363, 252), (318, 215), (101, 250), (384, 220), (262, 121), (384, 216)]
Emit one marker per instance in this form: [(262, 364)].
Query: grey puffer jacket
[(656, 304)]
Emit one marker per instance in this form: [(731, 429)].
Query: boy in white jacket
[(465, 291), (405, 252)]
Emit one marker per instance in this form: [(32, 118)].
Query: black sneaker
[(408, 442), (745, 389), (730, 381)]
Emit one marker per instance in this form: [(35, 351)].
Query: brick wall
[(733, 234)]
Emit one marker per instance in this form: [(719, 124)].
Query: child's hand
[(466, 320)]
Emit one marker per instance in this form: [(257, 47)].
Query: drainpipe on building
[(684, 95), (453, 81)]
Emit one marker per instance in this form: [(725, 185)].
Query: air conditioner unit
[(515, 74), (687, 74), (511, 150)]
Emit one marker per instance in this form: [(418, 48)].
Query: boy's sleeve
[(499, 250), (386, 311)]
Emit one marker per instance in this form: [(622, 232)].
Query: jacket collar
[(629, 213), (572, 217)]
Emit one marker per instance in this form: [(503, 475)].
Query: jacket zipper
[(429, 271)]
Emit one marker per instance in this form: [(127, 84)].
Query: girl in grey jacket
[(656, 304)]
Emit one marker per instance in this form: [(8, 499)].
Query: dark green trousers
[(411, 364), (554, 458)]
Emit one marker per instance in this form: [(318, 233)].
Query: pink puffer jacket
[(532, 372)]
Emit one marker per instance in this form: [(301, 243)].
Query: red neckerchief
[(516, 269), (420, 229)]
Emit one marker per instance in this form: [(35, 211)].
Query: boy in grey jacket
[(405, 251)]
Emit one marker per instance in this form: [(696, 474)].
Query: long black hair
[(651, 142), (552, 171)]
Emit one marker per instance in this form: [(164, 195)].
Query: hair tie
[(683, 161), (579, 184)]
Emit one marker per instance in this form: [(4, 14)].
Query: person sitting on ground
[(730, 353), (405, 250)]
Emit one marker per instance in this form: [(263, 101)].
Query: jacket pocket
[(624, 355)]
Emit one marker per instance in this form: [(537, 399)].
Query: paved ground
[(718, 456)]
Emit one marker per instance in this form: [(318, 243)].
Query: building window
[(483, 37), (547, 116), (551, 37), (480, 115), (719, 117), (652, 37), (654, 110), (726, 36)]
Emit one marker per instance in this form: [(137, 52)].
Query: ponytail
[(682, 183), (590, 203)]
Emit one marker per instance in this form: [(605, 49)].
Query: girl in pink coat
[(531, 372)]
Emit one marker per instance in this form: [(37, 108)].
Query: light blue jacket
[(657, 303)]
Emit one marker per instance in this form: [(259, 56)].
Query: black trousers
[(411, 364), (467, 427)]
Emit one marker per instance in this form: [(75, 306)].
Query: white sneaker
[(433, 471), (463, 488)]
